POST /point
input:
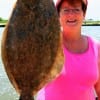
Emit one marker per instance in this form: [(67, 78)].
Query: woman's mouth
[(71, 22)]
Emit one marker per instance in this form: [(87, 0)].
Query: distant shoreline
[(3, 24), (86, 23), (91, 25)]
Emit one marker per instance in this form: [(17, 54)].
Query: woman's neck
[(71, 36), (77, 44)]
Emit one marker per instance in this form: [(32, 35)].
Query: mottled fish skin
[(31, 46)]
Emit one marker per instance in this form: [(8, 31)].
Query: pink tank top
[(78, 76)]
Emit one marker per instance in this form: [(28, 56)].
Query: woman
[(80, 73)]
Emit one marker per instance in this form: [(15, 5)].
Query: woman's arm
[(97, 86)]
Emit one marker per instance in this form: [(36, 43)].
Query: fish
[(31, 46)]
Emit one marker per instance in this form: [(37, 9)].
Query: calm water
[(7, 92)]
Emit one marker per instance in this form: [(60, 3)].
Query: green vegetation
[(88, 22), (91, 22), (3, 22)]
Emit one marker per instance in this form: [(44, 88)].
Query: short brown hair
[(59, 3)]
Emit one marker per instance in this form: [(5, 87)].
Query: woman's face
[(71, 16)]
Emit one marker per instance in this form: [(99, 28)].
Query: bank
[(85, 23)]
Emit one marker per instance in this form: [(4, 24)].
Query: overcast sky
[(92, 12)]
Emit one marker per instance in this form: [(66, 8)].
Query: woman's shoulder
[(93, 40), (94, 44)]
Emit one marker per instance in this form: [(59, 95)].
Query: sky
[(93, 12)]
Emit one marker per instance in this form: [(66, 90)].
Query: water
[(7, 92), (93, 31)]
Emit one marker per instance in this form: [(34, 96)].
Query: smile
[(71, 22)]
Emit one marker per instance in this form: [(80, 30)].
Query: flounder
[(31, 46)]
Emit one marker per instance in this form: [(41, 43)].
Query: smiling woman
[(80, 73)]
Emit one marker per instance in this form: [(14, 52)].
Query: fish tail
[(25, 96)]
